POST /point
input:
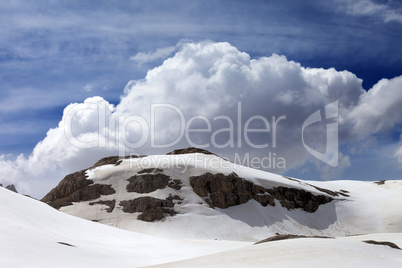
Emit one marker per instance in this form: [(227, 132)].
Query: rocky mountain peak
[(10, 187)]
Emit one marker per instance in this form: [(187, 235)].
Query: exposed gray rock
[(65, 244), (228, 190), (344, 193), (190, 150), (12, 188), (279, 237), (150, 170), (224, 191), (92, 192), (264, 199), (61, 195), (292, 198), (74, 188), (147, 183), (175, 197), (383, 243), (110, 203), (110, 160), (175, 184), (152, 208), (144, 203)]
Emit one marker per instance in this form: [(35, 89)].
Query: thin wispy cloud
[(89, 87), (398, 153), (384, 12), (146, 57)]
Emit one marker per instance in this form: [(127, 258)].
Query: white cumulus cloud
[(222, 91)]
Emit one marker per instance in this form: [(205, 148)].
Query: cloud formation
[(160, 53), (222, 91), (398, 152), (369, 8)]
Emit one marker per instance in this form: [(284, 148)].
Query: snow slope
[(305, 252), (35, 235), (32, 234), (361, 208)]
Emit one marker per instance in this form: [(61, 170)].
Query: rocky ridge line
[(223, 191)]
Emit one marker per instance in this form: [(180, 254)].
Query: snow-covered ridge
[(203, 196), (35, 235)]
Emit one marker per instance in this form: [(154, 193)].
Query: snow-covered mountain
[(193, 194), (190, 200)]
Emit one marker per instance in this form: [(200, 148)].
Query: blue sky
[(53, 53)]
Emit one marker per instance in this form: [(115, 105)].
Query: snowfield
[(33, 234), (304, 252)]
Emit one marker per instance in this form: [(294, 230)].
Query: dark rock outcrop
[(61, 195), (12, 188), (264, 199), (147, 183), (150, 170), (65, 244), (74, 188), (110, 203), (383, 243), (144, 203), (152, 208), (190, 150), (279, 237), (92, 192), (110, 160), (292, 198), (223, 191), (175, 184), (114, 160)]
